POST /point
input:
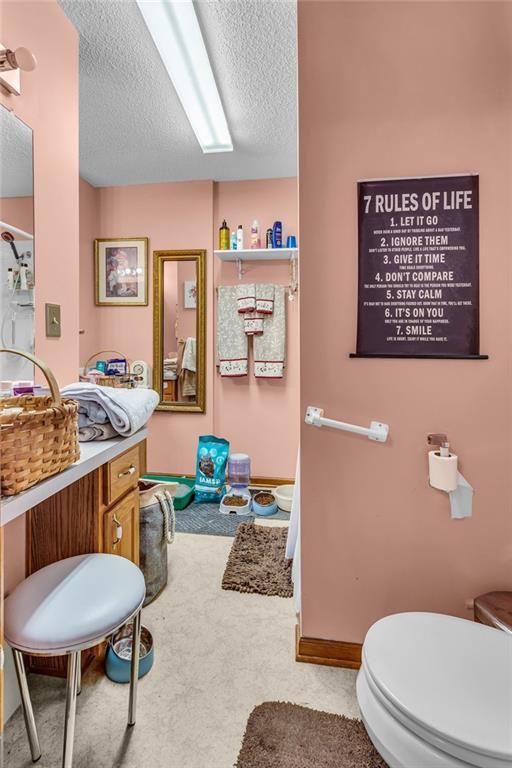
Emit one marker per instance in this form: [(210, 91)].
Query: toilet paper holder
[(437, 439)]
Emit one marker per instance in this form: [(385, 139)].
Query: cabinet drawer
[(122, 473)]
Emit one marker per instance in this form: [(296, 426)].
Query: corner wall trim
[(330, 653)]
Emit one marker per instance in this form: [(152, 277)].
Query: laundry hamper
[(157, 526), (39, 441)]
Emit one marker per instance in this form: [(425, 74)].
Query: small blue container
[(119, 654), (264, 510)]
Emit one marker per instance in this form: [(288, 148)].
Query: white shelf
[(259, 254)]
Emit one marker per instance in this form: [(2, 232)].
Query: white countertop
[(92, 456)]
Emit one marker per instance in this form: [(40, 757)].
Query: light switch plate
[(52, 319)]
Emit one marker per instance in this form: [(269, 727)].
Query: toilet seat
[(446, 681)]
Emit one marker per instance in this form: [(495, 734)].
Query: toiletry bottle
[(269, 238), (240, 238), (10, 279), (255, 234), (233, 241), (23, 277), (224, 237), (277, 234)]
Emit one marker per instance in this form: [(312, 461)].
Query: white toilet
[(435, 691)]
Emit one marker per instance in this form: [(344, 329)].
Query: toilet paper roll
[(442, 471)]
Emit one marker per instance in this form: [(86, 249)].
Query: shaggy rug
[(257, 562), (280, 735)]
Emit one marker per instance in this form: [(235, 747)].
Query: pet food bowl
[(264, 509), (228, 509), (284, 496), (119, 654)]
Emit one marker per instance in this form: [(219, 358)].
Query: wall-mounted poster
[(121, 271), (190, 294), (418, 292)]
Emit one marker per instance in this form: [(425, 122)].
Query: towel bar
[(376, 431)]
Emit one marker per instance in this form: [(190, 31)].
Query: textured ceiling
[(15, 156), (132, 126)]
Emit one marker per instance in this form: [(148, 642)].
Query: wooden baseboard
[(265, 482), (331, 653)]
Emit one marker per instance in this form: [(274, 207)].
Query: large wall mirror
[(179, 332), (17, 267)]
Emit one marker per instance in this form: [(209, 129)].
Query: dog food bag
[(212, 457)]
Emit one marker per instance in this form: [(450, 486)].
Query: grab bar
[(377, 430)]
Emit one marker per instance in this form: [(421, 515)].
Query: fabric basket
[(41, 440), (157, 527)]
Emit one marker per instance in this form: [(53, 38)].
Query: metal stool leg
[(79, 674), (134, 671), (69, 724), (26, 704)]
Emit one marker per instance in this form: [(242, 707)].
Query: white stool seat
[(69, 604)]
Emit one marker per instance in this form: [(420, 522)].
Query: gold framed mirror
[(179, 330)]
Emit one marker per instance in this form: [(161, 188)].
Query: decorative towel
[(97, 432), (246, 298), (253, 324), (189, 355), (126, 409), (232, 344), (188, 383), (269, 349), (265, 299)]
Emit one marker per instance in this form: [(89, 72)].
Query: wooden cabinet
[(121, 528), (98, 513)]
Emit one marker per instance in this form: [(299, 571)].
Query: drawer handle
[(119, 530), (129, 471)]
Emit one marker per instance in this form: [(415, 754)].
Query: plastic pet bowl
[(264, 509), (119, 654), (284, 496)]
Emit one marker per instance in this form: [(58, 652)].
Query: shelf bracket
[(240, 266)]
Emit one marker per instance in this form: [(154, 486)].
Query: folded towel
[(127, 409), (265, 299), (246, 298), (232, 349), (269, 349), (189, 355), (253, 324), (97, 432)]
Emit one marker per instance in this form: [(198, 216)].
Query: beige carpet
[(283, 735), (257, 562), (218, 654)]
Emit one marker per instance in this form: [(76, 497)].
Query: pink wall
[(49, 105), (187, 215), (406, 89), (261, 417), (173, 216), (18, 212)]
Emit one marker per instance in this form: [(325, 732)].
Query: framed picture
[(121, 271), (190, 294)]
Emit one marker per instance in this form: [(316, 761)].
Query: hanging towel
[(253, 324), (246, 298), (189, 355), (269, 349), (265, 299), (232, 343)]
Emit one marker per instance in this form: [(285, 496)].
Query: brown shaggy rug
[(280, 735), (257, 562)]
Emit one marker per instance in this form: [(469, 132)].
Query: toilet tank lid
[(450, 675)]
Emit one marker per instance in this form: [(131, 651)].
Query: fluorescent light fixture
[(174, 27)]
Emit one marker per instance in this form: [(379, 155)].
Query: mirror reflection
[(17, 273), (179, 329)]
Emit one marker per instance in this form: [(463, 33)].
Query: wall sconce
[(11, 62)]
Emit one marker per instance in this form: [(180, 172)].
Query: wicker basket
[(40, 441)]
